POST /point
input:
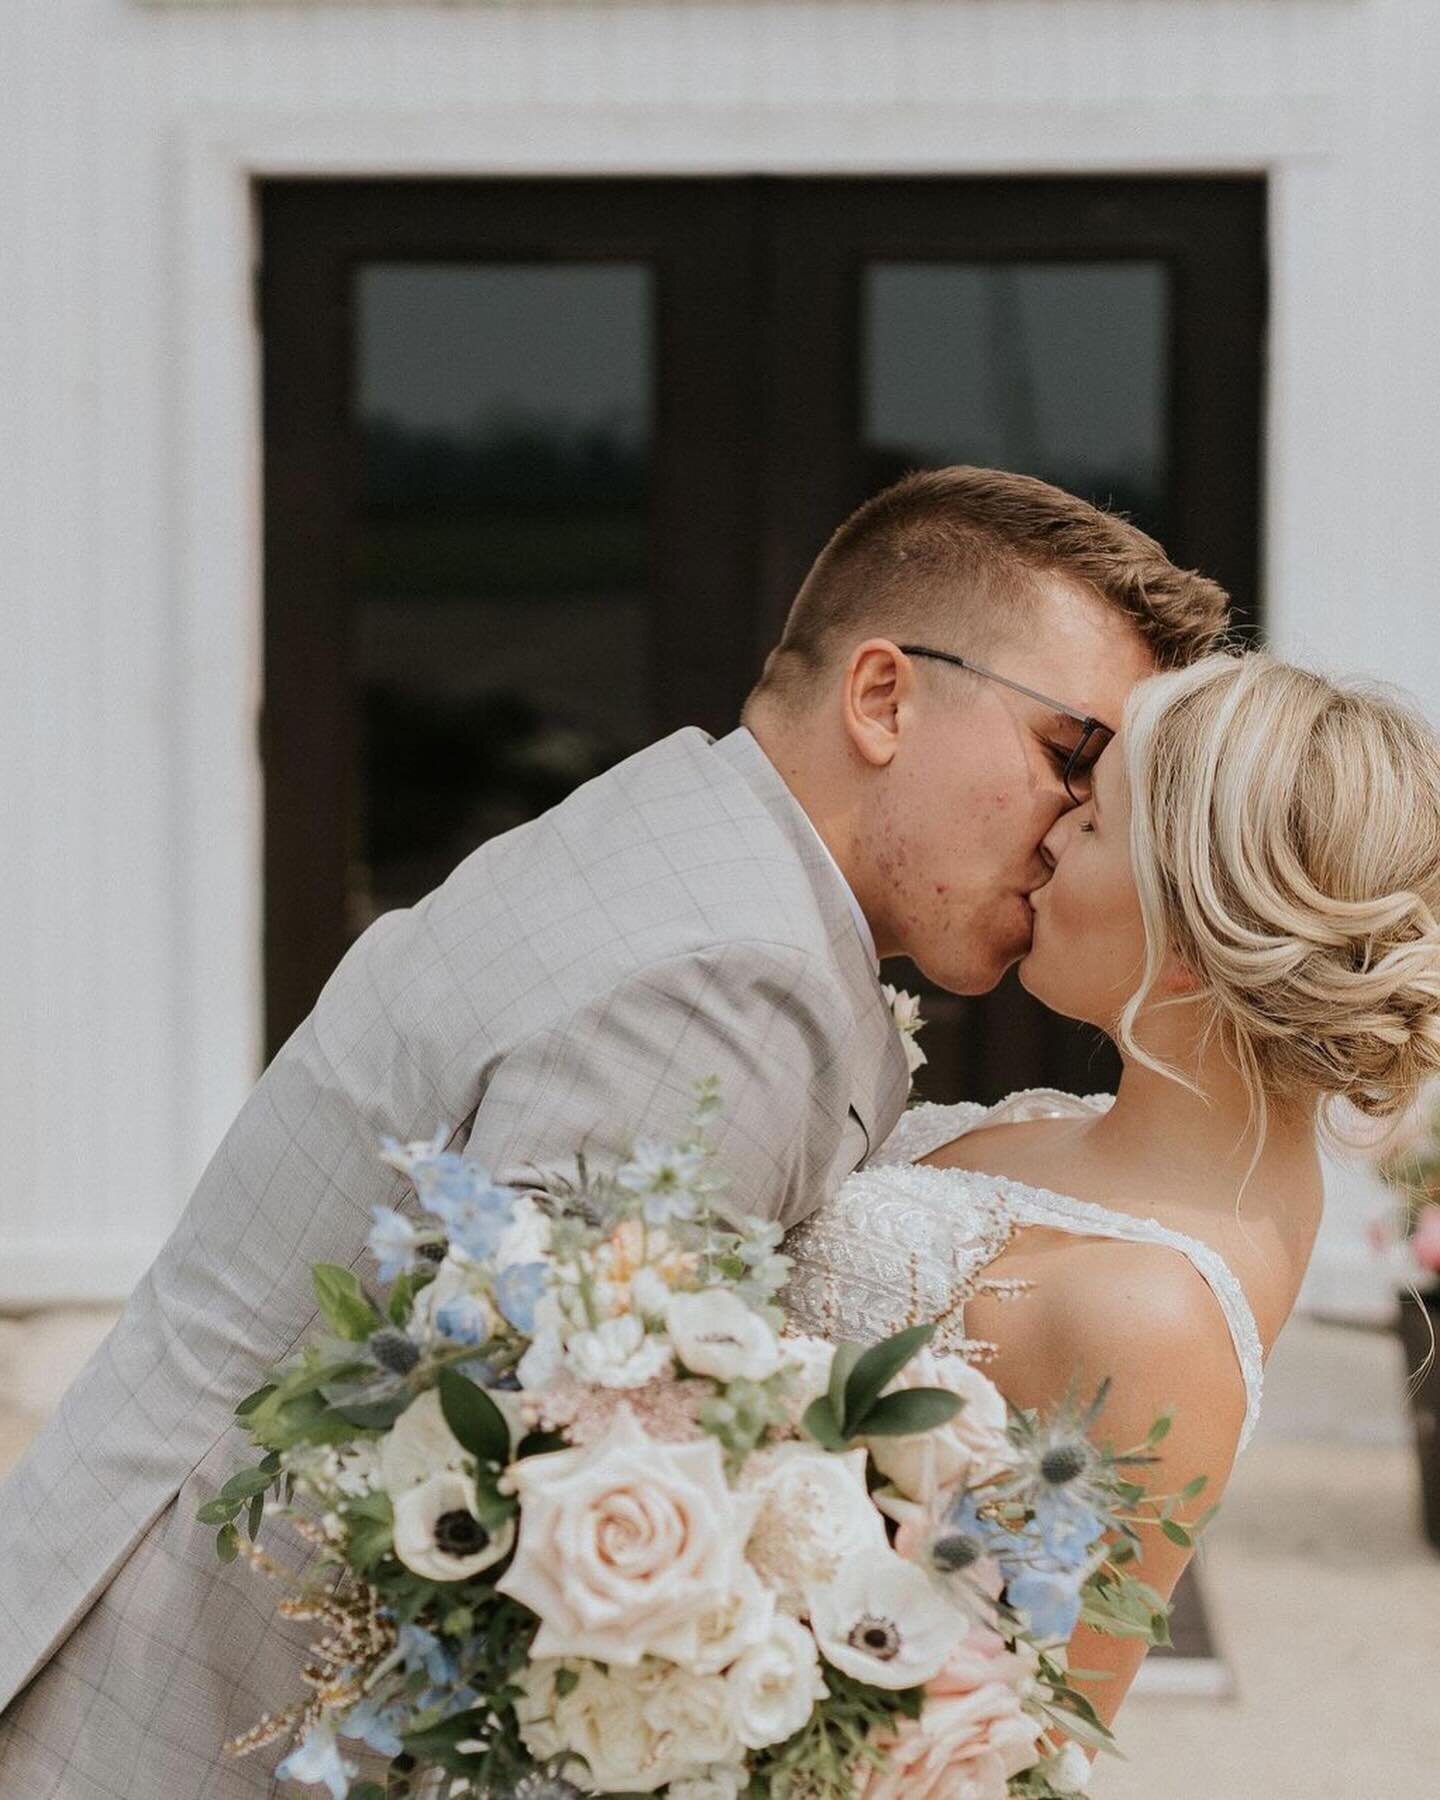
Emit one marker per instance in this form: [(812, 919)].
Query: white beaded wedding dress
[(902, 1242)]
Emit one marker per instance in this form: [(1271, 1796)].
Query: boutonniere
[(905, 1011)]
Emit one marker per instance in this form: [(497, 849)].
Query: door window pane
[(501, 579), (1055, 369)]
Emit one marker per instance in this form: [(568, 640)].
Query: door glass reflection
[(501, 572), (1055, 369)]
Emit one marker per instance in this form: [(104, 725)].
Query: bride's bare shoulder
[(1138, 1313)]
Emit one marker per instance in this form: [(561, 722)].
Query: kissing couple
[(997, 729)]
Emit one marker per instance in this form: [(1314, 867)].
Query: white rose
[(600, 1718), (974, 1447), (437, 1533), (715, 1333), (636, 1728), (418, 1445), (904, 1007), (1069, 1772), (617, 1354), (807, 1362), (774, 1686), (735, 1622), (625, 1546), (885, 1622), (692, 1719), (722, 1781), (814, 1513)]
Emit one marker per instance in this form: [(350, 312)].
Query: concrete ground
[(1324, 1600)]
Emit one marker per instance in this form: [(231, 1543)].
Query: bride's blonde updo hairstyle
[(1285, 837)]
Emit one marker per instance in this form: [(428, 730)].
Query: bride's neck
[(1210, 1127)]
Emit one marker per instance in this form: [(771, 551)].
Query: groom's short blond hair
[(950, 557)]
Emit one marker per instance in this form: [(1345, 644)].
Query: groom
[(705, 908)]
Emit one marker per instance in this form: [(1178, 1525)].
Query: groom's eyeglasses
[(1079, 759)]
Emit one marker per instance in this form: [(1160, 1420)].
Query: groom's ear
[(876, 690)]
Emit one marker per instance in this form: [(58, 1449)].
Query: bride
[(1247, 904)]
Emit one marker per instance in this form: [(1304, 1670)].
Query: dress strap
[(1064, 1212)]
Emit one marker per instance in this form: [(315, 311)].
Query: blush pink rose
[(972, 1735), (1425, 1241), (980, 1658)]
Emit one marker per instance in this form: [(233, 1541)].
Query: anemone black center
[(460, 1533), (878, 1636)]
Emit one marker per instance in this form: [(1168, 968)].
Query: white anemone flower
[(715, 1333), (885, 1622), (437, 1533), (418, 1445)]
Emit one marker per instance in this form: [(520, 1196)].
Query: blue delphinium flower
[(1049, 1599), (394, 1242), (420, 1648), (474, 1211), (464, 1319), (1068, 1531), (317, 1758), (376, 1725), (456, 1190), (517, 1289)]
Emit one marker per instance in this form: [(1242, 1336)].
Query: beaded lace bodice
[(901, 1241)]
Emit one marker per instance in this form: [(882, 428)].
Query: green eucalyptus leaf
[(344, 1304), (247, 1482), (318, 1373), (251, 1401), (910, 1411), (257, 1512), (566, 1681), (402, 1294), (541, 1443), (218, 1512), (369, 1540), (280, 1424), (820, 1421), (493, 1508), (439, 1739), (877, 1368), (1083, 1731), (374, 1415), (1192, 1489), (477, 1422), (227, 1543), (841, 1363), (1177, 1534), (1160, 1429)]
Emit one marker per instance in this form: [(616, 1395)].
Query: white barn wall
[(129, 513)]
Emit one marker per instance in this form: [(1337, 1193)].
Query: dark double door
[(546, 460)]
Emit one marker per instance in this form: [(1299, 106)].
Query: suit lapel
[(881, 1076)]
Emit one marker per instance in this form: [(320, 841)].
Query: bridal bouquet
[(587, 1520)]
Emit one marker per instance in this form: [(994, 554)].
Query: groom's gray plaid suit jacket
[(673, 919)]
